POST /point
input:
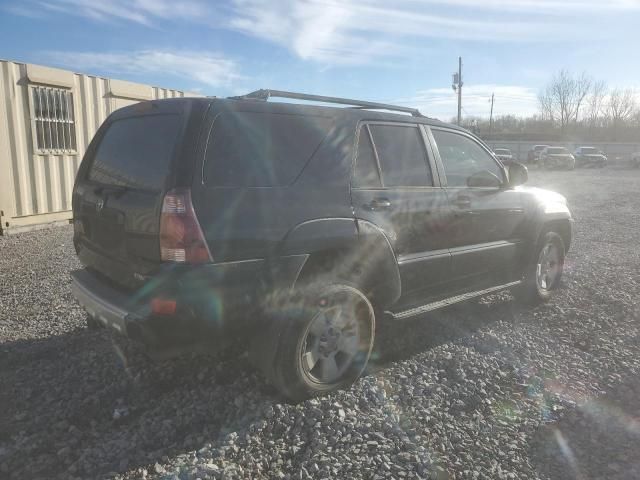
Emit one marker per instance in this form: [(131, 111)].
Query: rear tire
[(544, 273), (319, 341)]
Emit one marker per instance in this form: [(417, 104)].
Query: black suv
[(295, 227)]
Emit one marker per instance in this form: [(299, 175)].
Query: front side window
[(463, 158), (53, 120), (402, 155)]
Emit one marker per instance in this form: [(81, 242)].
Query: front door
[(486, 228), (394, 188)]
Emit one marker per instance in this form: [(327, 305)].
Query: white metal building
[(47, 118)]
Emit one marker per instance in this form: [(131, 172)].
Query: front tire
[(543, 275), (323, 341)]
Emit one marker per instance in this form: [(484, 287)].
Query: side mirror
[(518, 174), (484, 178)]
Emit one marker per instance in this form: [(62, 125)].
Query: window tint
[(462, 158), (261, 149), (366, 171), (402, 156), (136, 152)]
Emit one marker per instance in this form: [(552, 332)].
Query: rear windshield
[(135, 152), (557, 151), (250, 149)]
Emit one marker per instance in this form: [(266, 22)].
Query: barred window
[(54, 122)]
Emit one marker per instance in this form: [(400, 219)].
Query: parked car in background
[(504, 155), (295, 228), (590, 157), (557, 157), (534, 154)]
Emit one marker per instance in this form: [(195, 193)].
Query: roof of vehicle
[(353, 113)]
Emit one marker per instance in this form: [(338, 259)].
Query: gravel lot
[(484, 390)]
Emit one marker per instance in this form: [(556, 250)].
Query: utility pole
[(459, 91), (491, 116), (457, 87)]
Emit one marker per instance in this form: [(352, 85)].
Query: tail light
[(181, 238)]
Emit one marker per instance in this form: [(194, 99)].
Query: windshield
[(281, 240)]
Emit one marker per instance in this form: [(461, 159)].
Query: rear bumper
[(130, 315), (104, 304), (215, 303)]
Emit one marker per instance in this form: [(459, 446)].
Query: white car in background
[(504, 155), (557, 157)]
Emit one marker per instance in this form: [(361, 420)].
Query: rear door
[(486, 228), (394, 188), (118, 194)]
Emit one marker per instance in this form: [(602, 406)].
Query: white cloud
[(442, 103), (362, 31), (138, 11), (207, 68)]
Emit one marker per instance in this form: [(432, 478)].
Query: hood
[(552, 202)]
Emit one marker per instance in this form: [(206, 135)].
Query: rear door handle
[(462, 201), (378, 204)]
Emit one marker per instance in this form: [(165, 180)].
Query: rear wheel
[(544, 273), (321, 341)]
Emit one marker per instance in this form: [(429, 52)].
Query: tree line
[(571, 108)]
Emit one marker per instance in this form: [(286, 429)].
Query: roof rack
[(265, 94)]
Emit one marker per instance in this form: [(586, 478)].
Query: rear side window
[(136, 152), (249, 149), (366, 172), (402, 156)]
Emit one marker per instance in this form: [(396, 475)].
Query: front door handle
[(378, 204)]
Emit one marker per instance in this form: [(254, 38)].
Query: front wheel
[(544, 273), (324, 341)]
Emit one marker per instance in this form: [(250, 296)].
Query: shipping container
[(47, 118)]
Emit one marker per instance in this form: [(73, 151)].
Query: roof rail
[(265, 94)]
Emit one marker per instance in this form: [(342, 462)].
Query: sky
[(401, 51)]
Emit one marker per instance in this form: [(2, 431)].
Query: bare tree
[(583, 87), (596, 103), (561, 100), (621, 107)]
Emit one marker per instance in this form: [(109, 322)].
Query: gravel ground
[(484, 390)]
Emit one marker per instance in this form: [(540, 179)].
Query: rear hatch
[(137, 155)]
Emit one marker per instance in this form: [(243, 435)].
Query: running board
[(429, 307)]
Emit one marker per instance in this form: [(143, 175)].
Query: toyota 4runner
[(295, 227)]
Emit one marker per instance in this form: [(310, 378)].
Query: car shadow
[(84, 404), (599, 439)]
